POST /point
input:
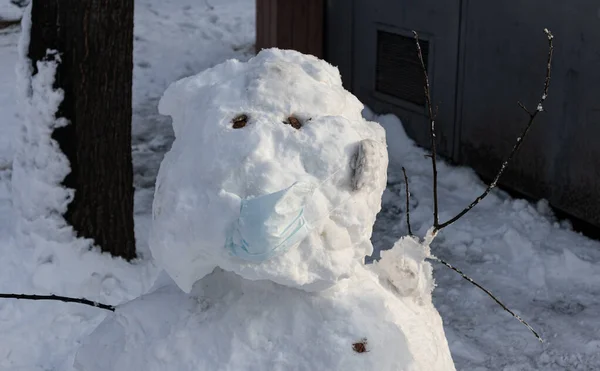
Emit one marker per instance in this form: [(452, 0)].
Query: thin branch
[(407, 202), (517, 145), (490, 295), (427, 88), (524, 108), (58, 298)]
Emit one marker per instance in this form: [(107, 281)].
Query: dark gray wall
[(338, 37), (430, 18), (505, 54), (483, 57)]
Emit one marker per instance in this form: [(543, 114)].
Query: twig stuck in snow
[(532, 116), (59, 298), (490, 295), (432, 117), (407, 202), (436, 224), (488, 292)]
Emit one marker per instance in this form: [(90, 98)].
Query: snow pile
[(314, 306), (40, 253), (404, 269), (230, 323), (39, 166), (212, 167), (43, 335), (8, 55), (11, 10), (40, 200), (534, 263), (180, 38)]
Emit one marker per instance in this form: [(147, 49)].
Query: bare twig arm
[(59, 298), (490, 295), (407, 202), (431, 129), (436, 224), (448, 265), (517, 145)]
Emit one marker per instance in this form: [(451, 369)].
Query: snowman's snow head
[(247, 130)]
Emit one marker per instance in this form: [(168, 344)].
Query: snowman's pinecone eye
[(294, 122), (239, 121)]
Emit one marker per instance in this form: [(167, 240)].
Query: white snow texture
[(301, 310), (531, 259), (212, 167), (40, 200)]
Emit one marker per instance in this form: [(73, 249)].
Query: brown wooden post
[(95, 42), (290, 24)]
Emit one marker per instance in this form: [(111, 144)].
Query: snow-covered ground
[(547, 273), (9, 11), (534, 263)]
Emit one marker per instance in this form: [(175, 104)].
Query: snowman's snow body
[(307, 306)]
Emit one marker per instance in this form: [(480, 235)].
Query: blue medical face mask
[(269, 225)]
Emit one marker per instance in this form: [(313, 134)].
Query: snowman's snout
[(369, 165)]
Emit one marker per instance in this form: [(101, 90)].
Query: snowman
[(262, 218)]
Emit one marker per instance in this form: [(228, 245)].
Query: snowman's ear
[(370, 166)]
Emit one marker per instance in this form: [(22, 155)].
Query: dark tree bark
[(95, 41)]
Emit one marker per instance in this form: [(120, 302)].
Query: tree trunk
[(95, 41)]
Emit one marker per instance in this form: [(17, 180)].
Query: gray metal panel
[(338, 37), (436, 21), (505, 52)]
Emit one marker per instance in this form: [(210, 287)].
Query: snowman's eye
[(294, 122), (239, 121)]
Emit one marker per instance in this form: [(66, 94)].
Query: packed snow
[(214, 168), (332, 170), (534, 263), (229, 323), (531, 260), (9, 11)]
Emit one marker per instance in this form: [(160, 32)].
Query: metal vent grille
[(398, 70)]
